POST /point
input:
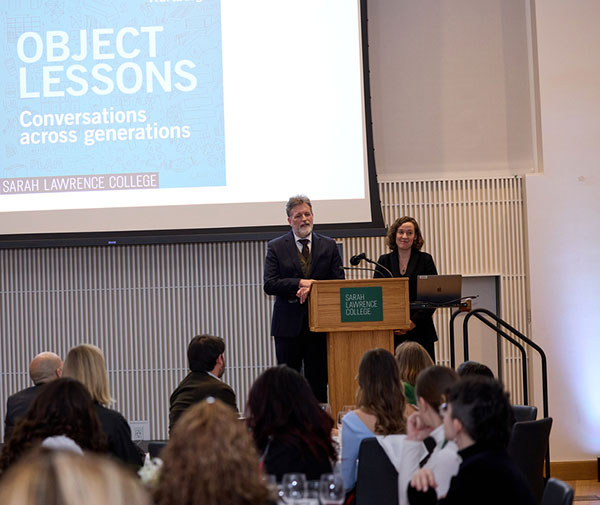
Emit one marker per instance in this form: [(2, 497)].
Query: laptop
[(439, 289)]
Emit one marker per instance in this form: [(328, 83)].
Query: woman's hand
[(404, 332)]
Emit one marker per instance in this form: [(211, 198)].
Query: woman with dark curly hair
[(63, 407), (405, 240), (210, 460), (381, 403), (290, 429)]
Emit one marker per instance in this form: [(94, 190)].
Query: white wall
[(563, 208), (451, 87)]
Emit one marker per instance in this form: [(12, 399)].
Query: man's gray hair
[(297, 200)]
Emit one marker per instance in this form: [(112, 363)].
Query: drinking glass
[(340, 415), (294, 486), (331, 489)]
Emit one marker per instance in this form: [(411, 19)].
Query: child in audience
[(477, 418), (425, 445)]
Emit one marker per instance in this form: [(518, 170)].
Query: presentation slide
[(179, 114)]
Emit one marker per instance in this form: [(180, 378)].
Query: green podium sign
[(361, 304)]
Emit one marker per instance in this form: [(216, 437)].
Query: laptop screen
[(439, 288)]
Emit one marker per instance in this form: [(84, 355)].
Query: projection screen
[(175, 120)]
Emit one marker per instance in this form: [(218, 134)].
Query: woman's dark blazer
[(420, 263)]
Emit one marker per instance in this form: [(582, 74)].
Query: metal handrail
[(506, 336), (500, 322)]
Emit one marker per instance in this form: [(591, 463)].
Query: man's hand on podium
[(304, 289)]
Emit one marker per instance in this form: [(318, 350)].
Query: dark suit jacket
[(282, 275), (194, 388), (17, 406), (420, 263)]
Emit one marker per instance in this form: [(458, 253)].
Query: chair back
[(528, 446), (557, 492), (376, 478), (155, 446), (524, 413)]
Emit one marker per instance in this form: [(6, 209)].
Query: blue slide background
[(192, 31)]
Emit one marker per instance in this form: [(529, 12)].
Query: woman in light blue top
[(380, 406)]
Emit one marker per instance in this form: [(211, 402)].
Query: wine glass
[(331, 489), (342, 413), (294, 486)]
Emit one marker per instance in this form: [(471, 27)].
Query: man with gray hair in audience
[(44, 368)]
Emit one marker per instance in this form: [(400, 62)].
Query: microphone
[(357, 258)]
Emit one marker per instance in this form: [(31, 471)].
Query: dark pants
[(309, 349), (429, 346)]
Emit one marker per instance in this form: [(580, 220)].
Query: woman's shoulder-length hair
[(86, 363), (393, 229)]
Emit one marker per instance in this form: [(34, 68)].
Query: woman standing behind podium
[(407, 260)]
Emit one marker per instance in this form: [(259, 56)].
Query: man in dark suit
[(45, 367), (294, 261), (207, 364)]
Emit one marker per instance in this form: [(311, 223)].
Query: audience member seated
[(291, 431), (477, 418), (62, 407), (46, 477), (412, 358), (425, 446), (43, 368), (474, 368), (206, 361), (86, 364), (210, 460), (380, 406)]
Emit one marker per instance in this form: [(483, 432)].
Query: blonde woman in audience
[(380, 406), (412, 358), (210, 460), (47, 477), (86, 364)]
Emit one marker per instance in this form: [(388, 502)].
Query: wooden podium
[(355, 323)]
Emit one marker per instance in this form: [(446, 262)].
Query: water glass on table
[(331, 489), (294, 487)]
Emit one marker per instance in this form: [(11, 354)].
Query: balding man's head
[(45, 367)]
